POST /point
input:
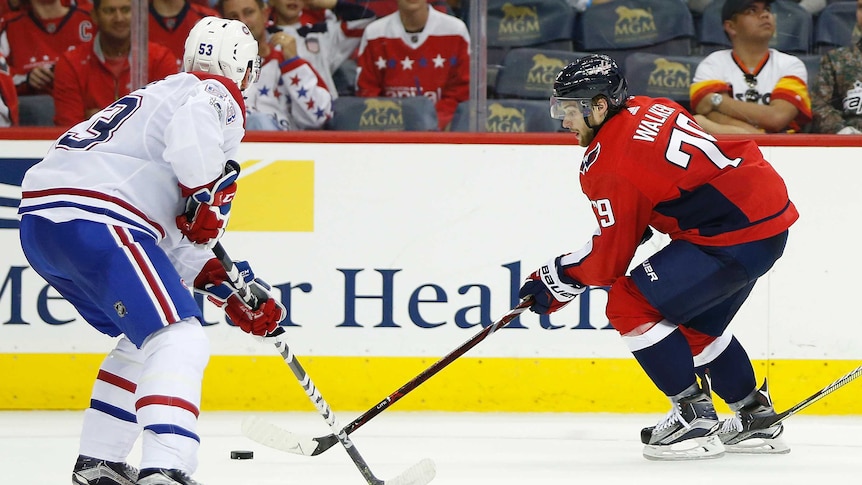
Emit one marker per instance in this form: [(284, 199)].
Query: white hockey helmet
[(222, 46)]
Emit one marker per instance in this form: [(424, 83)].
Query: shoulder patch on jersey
[(220, 101), (590, 158), (231, 113), (216, 103), (216, 89)]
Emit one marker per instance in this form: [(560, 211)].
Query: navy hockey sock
[(668, 363), (731, 373)]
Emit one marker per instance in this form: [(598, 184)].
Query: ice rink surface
[(39, 448)]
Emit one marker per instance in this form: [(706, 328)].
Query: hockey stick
[(419, 474), (271, 435), (769, 421)]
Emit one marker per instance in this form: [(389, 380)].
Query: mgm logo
[(519, 23), (381, 114), (669, 78), (502, 119), (634, 24), (541, 76)]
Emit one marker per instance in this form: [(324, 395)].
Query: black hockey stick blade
[(769, 421), (270, 435)]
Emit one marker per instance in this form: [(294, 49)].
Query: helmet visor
[(560, 107)]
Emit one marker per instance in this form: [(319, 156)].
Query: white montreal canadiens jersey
[(124, 165)]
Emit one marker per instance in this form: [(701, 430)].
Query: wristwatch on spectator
[(715, 100)]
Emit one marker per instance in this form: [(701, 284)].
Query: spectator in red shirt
[(8, 97), (416, 51), (93, 75), (32, 40), (171, 21), (7, 6), (15, 5)]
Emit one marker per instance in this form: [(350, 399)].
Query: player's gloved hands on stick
[(208, 208), (213, 281), (549, 289)]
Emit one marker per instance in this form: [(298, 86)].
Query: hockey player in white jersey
[(124, 210)]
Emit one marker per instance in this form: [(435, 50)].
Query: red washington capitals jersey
[(27, 41), (653, 165), (434, 63)]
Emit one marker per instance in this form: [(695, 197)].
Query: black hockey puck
[(241, 455)]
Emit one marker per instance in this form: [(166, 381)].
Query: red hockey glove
[(214, 282), (208, 208), (549, 289)]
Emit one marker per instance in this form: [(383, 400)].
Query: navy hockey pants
[(118, 279)]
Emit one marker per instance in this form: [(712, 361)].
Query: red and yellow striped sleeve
[(701, 89), (794, 90)]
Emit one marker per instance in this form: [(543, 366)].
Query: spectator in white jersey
[(122, 211), (750, 88), (290, 94), (327, 32)]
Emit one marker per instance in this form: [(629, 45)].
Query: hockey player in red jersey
[(727, 213)]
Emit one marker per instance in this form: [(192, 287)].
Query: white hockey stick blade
[(268, 434), (419, 474)]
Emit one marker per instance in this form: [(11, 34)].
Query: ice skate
[(737, 435), (687, 432), (92, 471), (161, 476)]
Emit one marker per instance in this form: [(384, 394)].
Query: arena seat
[(510, 116), (36, 110), (353, 113), (623, 27), (835, 27), (527, 23), (661, 76), (528, 73)]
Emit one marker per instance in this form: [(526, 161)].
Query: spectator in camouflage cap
[(837, 96)]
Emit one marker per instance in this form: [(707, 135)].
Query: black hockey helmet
[(586, 78)]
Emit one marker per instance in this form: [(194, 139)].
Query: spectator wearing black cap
[(750, 88), (813, 7)]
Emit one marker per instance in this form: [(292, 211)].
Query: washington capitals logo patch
[(590, 158)]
